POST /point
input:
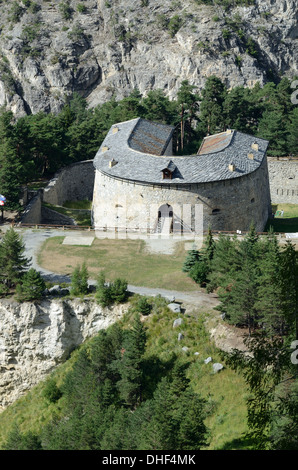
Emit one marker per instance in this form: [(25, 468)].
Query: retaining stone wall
[(283, 176), (72, 183)]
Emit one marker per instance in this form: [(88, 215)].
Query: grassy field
[(288, 221), (127, 259), (225, 391)]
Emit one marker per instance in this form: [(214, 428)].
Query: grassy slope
[(224, 391)]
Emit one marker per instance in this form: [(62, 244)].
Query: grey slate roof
[(122, 144)]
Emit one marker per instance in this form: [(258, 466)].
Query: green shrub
[(174, 25), (16, 12), (226, 34), (51, 392), (143, 306), (65, 10), (81, 8), (109, 293)]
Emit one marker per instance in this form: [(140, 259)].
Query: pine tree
[(269, 297), (209, 247), (212, 106), (225, 264), (84, 279), (130, 367), (289, 287), (13, 263), (31, 287), (199, 272), (241, 303), (192, 257), (75, 281), (79, 280)]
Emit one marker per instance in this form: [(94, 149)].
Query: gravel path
[(34, 239)]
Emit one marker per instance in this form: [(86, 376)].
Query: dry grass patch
[(128, 259)]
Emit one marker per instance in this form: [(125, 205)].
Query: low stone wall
[(283, 178), (72, 183)]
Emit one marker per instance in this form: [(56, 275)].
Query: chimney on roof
[(232, 167), (112, 163), (104, 149), (115, 130), (255, 146), (229, 131), (251, 156)]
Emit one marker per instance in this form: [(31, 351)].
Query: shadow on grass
[(288, 225), (242, 443)]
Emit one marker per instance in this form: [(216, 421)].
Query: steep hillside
[(101, 48)]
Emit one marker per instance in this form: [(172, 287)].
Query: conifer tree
[(241, 304), (130, 367), (269, 294), (31, 287), (13, 263), (75, 281), (289, 287), (192, 257)]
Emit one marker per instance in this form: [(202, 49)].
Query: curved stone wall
[(227, 205)]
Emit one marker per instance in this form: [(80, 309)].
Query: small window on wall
[(215, 211)]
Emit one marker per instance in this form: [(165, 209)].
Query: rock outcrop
[(105, 48), (36, 337)]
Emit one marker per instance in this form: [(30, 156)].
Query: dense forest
[(35, 146)]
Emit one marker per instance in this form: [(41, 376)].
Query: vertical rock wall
[(36, 337)]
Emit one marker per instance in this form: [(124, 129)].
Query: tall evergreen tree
[(212, 106), (130, 367), (13, 263), (31, 287), (269, 295)]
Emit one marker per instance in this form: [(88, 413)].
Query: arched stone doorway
[(165, 219)]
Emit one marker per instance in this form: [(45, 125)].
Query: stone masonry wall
[(72, 183), (227, 205), (283, 181)]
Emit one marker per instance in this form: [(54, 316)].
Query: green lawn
[(286, 222), (127, 259)]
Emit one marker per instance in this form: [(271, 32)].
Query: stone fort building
[(140, 186)]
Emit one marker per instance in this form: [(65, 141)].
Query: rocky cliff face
[(36, 337), (101, 48)]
